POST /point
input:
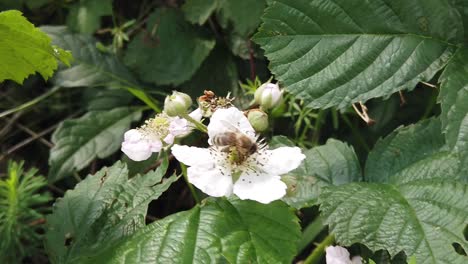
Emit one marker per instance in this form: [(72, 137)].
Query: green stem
[(30, 103), (192, 190), (355, 133), (310, 233), (318, 127), (317, 253), (197, 124), (430, 106)]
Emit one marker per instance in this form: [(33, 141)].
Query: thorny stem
[(251, 60), (363, 115), (317, 253), (192, 190), (429, 84), (402, 98), (30, 103), (197, 124)]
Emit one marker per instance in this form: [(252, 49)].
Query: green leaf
[(97, 134), (198, 11), (106, 99), (170, 50), (85, 16), (217, 73), (454, 95), (420, 206), (93, 68), (34, 4), (25, 49), (401, 150), (334, 163), (244, 15), (233, 230), (462, 8), (101, 210), (337, 52), (280, 141)]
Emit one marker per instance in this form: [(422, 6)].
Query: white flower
[(340, 255), (257, 177), (139, 147), (180, 127), (140, 143)]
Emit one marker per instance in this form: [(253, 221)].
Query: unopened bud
[(177, 104), (268, 95), (258, 119)]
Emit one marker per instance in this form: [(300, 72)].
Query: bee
[(238, 145)]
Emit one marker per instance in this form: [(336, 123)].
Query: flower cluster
[(235, 161), (157, 132)]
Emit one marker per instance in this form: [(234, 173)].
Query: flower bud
[(177, 103), (258, 119), (268, 95)]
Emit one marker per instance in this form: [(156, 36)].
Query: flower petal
[(215, 182), (196, 114), (193, 156), (229, 120), (282, 160), (263, 188), (356, 260), (179, 127), (135, 147), (169, 139), (337, 255), (133, 135)]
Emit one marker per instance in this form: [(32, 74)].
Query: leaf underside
[(97, 134)]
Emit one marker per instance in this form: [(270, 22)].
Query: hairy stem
[(317, 253)]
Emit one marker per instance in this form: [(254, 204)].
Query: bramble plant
[(267, 131)]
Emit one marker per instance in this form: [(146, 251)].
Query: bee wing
[(230, 126)]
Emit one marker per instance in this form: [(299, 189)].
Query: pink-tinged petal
[(193, 156), (133, 135), (337, 255), (137, 147), (282, 160), (262, 188), (155, 145), (229, 120), (136, 151), (169, 139), (356, 260), (179, 127), (213, 181)]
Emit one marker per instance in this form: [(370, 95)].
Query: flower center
[(157, 126), (237, 162)]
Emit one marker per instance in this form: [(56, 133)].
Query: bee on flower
[(236, 162)]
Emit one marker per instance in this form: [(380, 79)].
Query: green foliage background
[(76, 74)]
